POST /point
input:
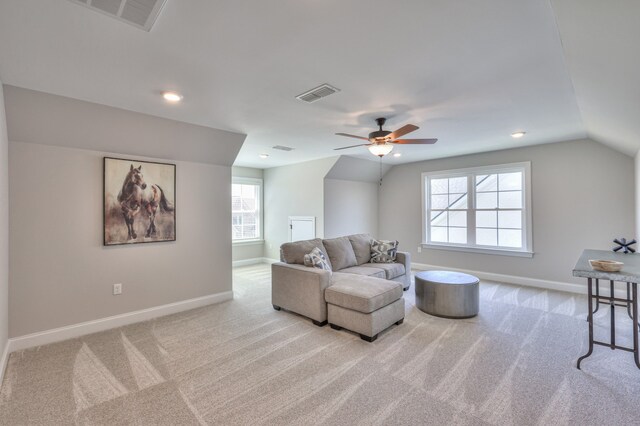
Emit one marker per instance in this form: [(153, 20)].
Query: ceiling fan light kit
[(381, 141), (381, 149)]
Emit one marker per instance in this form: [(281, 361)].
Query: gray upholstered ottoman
[(447, 294), (366, 305)]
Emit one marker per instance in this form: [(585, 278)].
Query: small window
[(484, 209), (246, 216)]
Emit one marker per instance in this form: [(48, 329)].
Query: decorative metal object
[(624, 245)]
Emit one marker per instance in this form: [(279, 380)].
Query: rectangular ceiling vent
[(283, 148), (139, 13), (318, 93)]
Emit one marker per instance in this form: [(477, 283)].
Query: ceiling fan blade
[(352, 146), (352, 136), (415, 141), (408, 128)]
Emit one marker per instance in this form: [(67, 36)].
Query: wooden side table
[(629, 274)]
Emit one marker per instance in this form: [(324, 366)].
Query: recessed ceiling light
[(172, 96), (518, 135), (264, 155), (397, 154)]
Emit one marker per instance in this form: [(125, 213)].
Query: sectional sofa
[(355, 294)]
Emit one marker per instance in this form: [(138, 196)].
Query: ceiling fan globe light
[(381, 149)]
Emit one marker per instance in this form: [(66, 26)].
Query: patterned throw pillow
[(316, 259), (383, 251)]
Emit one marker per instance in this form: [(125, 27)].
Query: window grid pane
[(487, 237), (497, 209), (501, 193), (448, 202), (245, 210), (486, 183)]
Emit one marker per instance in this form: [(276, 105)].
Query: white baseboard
[(247, 262), (88, 327), (525, 281), (254, 261)]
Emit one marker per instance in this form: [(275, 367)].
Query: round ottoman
[(447, 294)]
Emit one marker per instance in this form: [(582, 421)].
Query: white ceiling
[(465, 71)]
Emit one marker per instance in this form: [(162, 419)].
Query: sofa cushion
[(362, 270), (383, 251), (340, 253), (317, 259), (361, 244), (391, 270), (361, 293), (294, 252)]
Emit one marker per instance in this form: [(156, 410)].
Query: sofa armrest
[(300, 289), (404, 257)]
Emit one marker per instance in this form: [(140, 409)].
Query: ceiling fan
[(381, 141)]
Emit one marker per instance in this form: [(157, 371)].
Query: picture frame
[(139, 201)]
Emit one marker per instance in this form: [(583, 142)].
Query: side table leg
[(597, 296), (635, 324), (613, 316), (590, 319), (629, 303), (629, 300)]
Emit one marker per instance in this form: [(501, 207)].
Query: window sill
[(499, 252), (247, 242)]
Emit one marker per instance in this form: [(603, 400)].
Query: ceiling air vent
[(139, 13), (318, 93), (283, 148)]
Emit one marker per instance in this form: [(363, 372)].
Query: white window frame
[(525, 251), (260, 239)]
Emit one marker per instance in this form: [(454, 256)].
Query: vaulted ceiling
[(466, 72)]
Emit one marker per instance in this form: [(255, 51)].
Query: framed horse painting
[(139, 201)]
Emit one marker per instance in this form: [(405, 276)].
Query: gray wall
[(76, 124), (60, 273), (351, 196), (350, 207), (583, 197), (246, 251), (4, 229), (295, 190)]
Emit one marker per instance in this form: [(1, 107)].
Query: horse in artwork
[(136, 196)]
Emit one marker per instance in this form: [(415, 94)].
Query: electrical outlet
[(117, 289), (419, 249)]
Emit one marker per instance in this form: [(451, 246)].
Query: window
[(486, 209), (246, 217)]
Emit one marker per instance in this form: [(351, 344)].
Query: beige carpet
[(241, 362)]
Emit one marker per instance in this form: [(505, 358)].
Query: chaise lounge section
[(365, 305)]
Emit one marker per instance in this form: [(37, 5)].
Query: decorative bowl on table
[(606, 265)]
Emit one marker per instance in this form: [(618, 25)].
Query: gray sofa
[(367, 297)]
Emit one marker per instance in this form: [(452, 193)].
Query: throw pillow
[(294, 252), (316, 259), (383, 251), (340, 253), (361, 244)]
